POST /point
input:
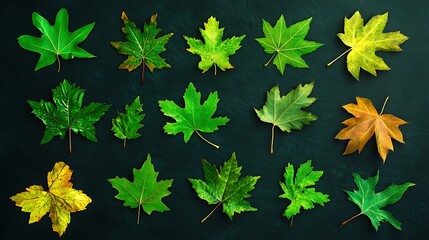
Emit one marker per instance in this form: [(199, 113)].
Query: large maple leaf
[(364, 41), (56, 40), (144, 191), (214, 51), (297, 188), (59, 200), (370, 203), (225, 187), (286, 112), (142, 47), (194, 117), (287, 44), (367, 122), (66, 113), (127, 124)]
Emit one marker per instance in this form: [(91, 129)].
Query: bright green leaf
[(287, 44), (297, 188), (225, 187), (214, 51), (126, 125), (66, 113), (194, 117), (286, 111), (145, 191), (364, 41), (142, 47), (370, 203), (56, 40)]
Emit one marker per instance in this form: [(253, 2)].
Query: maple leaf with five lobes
[(370, 203), (367, 122), (59, 200), (214, 51), (127, 124), (225, 187), (145, 191), (287, 44), (364, 41), (142, 47), (56, 40), (194, 117), (297, 188), (66, 113), (286, 112)]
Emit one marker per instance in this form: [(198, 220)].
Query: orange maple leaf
[(365, 123)]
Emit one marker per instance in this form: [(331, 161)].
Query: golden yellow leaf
[(365, 123), (59, 200)]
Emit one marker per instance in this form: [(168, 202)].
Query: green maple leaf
[(145, 191), (142, 47), (66, 113), (56, 40), (364, 41), (194, 117), (225, 187), (287, 44), (286, 111), (299, 190), (370, 203), (214, 51), (127, 124)]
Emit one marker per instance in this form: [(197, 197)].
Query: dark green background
[(25, 162)]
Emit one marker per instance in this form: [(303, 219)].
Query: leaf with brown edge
[(59, 200), (365, 123)]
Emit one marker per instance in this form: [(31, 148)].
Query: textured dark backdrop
[(25, 162)]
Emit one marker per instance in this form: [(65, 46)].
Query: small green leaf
[(56, 40), (214, 51), (297, 188), (286, 112), (194, 117), (225, 187), (126, 125), (145, 191), (142, 46), (370, 203), (67, 114), (287, 44)]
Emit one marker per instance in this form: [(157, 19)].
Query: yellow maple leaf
[(365, 123), (59, 200)]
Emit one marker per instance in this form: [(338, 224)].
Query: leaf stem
[(272, 139), (384, 104), (207, 141), (70, 141), (342, 54), (275, 54), (138, 214), (215, 69), (348, 220), (291, 221), (125, 142), (143, 66), (204, 219), (59, 63)]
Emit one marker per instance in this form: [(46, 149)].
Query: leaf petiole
[(207, 141), (342, 54), (348, 220), (59, 63), (143, 66), (204, 219), (384, 104), (271, 58), (272, 139), (70, 141)]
